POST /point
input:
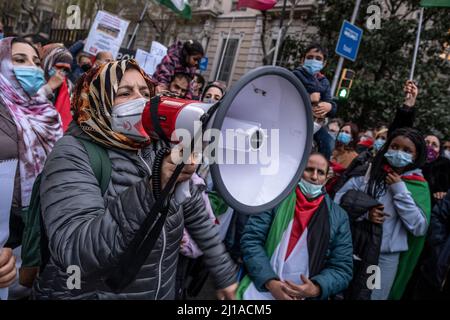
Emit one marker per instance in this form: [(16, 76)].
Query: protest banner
[(106, 34)]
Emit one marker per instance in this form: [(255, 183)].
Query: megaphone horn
[(271, 111)]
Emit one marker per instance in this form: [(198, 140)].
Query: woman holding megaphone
[(98, 230)]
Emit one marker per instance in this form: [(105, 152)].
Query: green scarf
[(408, 259), (218, 205)]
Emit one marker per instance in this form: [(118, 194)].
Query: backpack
[(35, 252)]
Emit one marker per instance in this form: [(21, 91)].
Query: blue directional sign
[(203, 65), (349, 40)]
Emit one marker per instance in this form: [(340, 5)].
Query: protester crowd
[(372, 203)]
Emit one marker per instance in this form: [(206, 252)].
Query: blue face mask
[(313, 66), (30, 78), (309, 189), (398, 159), (2, 35), (344, 138), (378, 144)]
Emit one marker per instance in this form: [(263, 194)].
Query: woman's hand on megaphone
[(170, 163)]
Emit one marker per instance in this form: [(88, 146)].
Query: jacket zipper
[(160, 263), (139, 153)]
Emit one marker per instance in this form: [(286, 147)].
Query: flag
[(181, 7), (420, 192), (435, 3), (62, 105), (279, 232), (257, 4)]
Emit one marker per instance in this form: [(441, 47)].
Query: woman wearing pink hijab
[(29, 124)]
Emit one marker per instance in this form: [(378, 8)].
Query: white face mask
[(126, 118), (447, 154)]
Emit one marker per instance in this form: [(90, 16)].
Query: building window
[(225, 68)]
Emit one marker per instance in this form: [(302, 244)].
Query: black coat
[(366, 237), (437, 174), (436, 269)]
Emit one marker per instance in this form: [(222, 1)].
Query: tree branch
[(263, 37)]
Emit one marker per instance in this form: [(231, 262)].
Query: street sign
[(203, 65), (349, 40)]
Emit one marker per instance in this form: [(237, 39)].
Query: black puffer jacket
[(93, 232)]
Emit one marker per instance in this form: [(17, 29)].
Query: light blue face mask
[(398, 159), (2, 35), (30, 78), (309, 189), (313, 66), (378, 144), (209, 100), (344, 138)]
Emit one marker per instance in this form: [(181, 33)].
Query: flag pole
[(224, 49), (341, 59), (137, 25), (416, 48), (280, 34)]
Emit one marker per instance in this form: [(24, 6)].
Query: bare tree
[(8, 9), (32, 9), (293, 4), (164, 21)]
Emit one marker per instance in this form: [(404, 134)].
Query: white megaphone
[(261, 134)]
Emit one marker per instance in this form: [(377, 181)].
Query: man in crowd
[(82, 61), (446, 148), (103, 57), (179, 85)]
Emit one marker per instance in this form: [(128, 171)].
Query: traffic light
[(345, 83)]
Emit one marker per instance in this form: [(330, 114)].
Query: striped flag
[(181, 7)]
